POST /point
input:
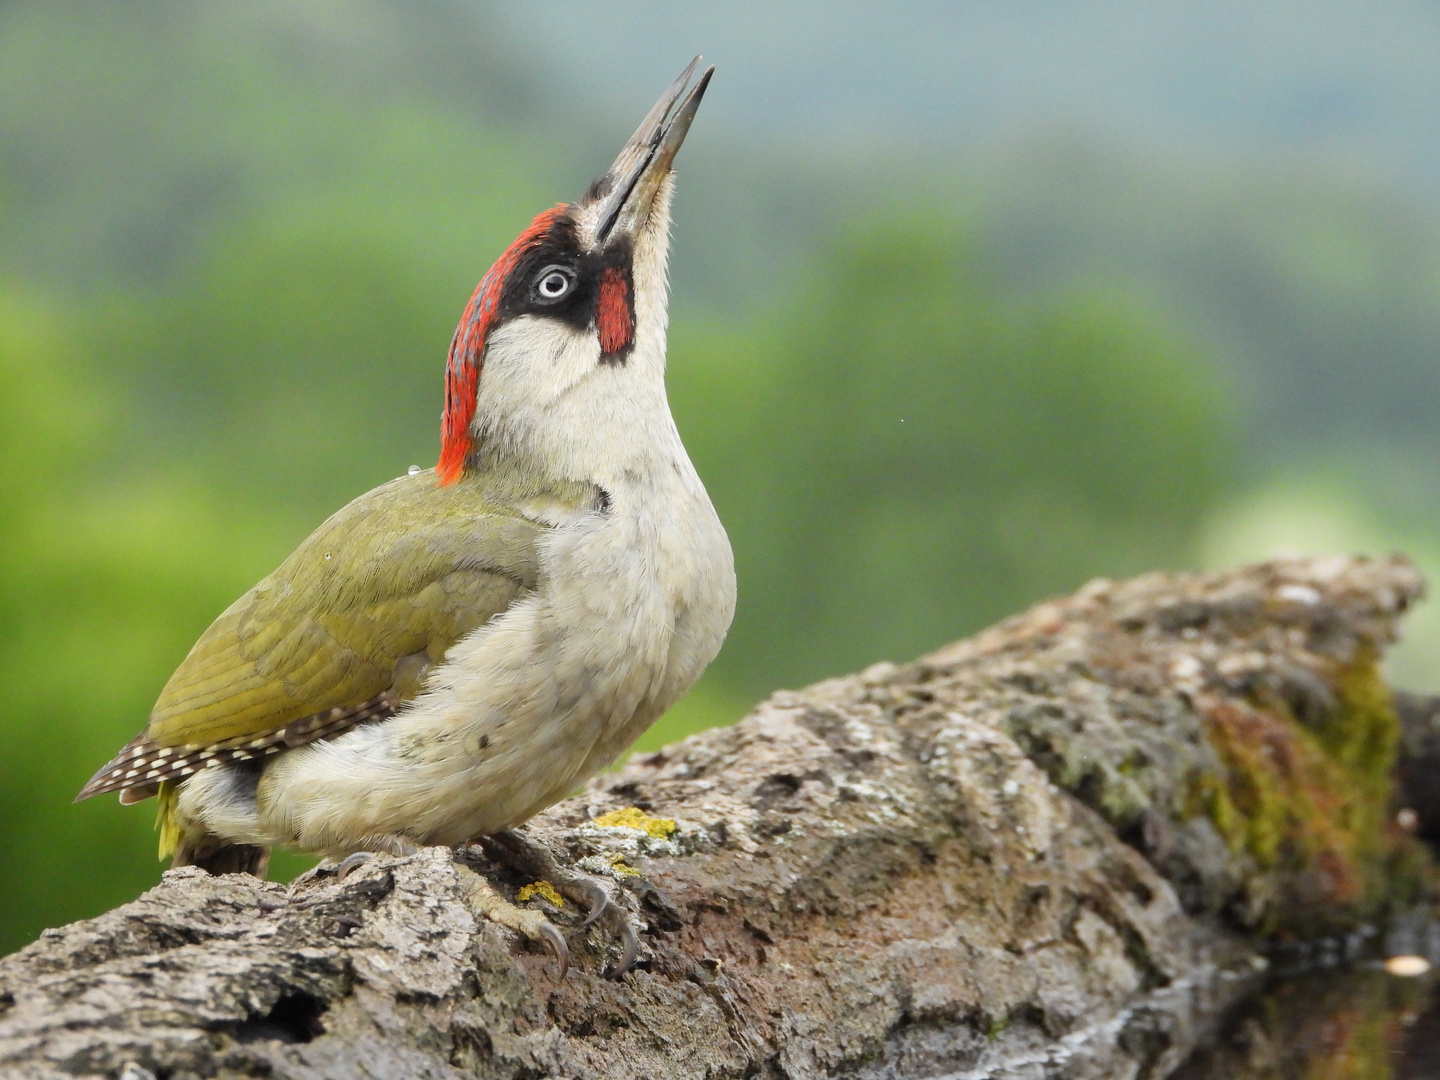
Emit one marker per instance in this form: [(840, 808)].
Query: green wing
[(408, 568)]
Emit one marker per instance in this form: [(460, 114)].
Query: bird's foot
[(480, 896), (484, 900), (340, 869), (553, 880), (352, 862), (373, 845), (524, 853)]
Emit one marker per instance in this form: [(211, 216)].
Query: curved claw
[(628, 954), (351, 863), (556, 941), (599, 903)]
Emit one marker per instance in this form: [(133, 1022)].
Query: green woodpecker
[(461, 647)]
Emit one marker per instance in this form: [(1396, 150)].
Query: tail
[(210, 853)]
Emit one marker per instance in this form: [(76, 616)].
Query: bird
[(461, 647)]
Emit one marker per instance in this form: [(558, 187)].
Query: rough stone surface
[(1052, 850)]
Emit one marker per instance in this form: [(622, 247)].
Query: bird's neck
[(613, 428)]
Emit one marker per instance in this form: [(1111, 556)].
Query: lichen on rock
[(543, 889), (632, 817)]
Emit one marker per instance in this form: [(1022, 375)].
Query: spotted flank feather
[(142, 766)]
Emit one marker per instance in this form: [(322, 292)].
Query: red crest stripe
[(467, 351)]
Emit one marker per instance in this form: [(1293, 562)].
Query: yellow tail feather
[(165, 818)]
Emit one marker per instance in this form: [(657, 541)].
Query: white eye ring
[(554, 283)]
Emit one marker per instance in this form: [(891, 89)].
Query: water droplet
[(327, 554), (413, 469)]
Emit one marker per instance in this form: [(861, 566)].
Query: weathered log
[(1054, 849)]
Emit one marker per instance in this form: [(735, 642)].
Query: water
[(1356, 1024)]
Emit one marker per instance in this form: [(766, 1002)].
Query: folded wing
[(344, 630)]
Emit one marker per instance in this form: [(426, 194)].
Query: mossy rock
[(1236, 729)]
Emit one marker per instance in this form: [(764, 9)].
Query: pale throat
[(610, 426)]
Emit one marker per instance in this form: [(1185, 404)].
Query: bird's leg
[(528, 855)]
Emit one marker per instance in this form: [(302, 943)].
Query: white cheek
[(531, 361)]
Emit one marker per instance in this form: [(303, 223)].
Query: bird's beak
[(640, 170)]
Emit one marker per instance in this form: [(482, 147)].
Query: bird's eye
[(554, 283)]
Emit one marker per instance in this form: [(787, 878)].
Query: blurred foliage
[(100, 589), (903, 446), (908, 453), (1318, 290)]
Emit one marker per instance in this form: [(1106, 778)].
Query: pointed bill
[(646, 159)]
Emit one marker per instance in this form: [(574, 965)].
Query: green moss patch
[(1306, 793)]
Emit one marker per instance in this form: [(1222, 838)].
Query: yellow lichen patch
[(632, 817), (621, 869), (542, 889)]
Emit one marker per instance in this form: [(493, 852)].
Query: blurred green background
[(972, 303)]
